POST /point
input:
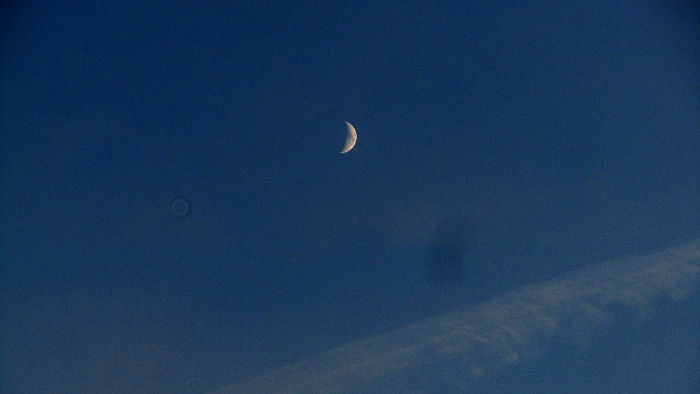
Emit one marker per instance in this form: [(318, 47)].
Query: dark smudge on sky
[(447, 257)]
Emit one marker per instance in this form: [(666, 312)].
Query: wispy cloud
[(475, 341)]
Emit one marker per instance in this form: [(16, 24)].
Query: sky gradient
[(499, 145)]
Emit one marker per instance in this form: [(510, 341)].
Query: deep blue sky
[(498, 145)]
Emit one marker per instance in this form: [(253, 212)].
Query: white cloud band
[(475, 340)]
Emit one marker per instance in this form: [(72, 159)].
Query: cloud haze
[(459, 347)]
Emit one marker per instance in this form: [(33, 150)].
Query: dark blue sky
[(498, 145)]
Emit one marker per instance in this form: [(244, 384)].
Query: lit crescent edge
[(351, 138)]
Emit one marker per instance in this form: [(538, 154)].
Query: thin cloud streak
[(457, 348)]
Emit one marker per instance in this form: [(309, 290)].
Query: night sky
[(176, 217)]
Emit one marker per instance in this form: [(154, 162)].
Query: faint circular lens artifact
[(180, 207)]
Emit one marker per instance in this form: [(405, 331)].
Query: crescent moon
[(351, 138)]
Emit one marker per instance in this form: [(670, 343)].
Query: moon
[(350, 139)]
